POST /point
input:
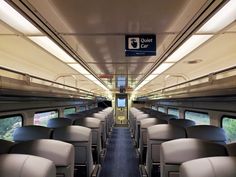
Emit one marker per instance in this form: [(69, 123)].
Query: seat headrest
[(145, 123), (5, 146), (18, 165), (209, 167), (59, 122), (141, 116), (61, 153), (31, 132), (231, 149), (165, 132), (73, 133), (168, 117), (89, 122), (99, 116), (182, 122), (207, 132), (181, 150)]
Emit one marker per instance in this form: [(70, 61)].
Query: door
[(121, 109)]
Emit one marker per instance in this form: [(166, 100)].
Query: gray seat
[(103, 119), (175, 152), (5, 146), (209, 167), (18, 165), (81, 138), (61, 153), (31, 132), (207, 132), (95, 125), (137, 126), (231, 149), (182, 122), (156, 135), (59, 122), (144, 124)]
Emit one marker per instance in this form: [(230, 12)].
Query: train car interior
[(123, 88)]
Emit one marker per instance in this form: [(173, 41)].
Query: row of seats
[(84, 135), (168, 157)]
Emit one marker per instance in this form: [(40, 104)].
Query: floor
[(120, 159)]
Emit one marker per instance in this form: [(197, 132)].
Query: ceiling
[(96, 33)]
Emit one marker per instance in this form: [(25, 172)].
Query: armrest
[(96, 171), (143, 172), (102, 155)]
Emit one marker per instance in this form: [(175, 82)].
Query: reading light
[(221, 19), (13, 18), (50, 46), (161, 68), (188, 46)]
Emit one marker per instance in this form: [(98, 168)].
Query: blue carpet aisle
[(120, 160)]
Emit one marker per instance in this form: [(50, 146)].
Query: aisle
[(120, 160)]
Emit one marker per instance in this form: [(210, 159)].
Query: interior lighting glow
[(50, 46), (14, 19), (161, 68)]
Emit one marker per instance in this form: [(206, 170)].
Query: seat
[(144, 124), (182, 122), (95, 125), (231, 149), (5, 146), (81, 138), (209, 167), (31, 132), (156, 135), (175, 152), (207, 132), (137, 126), (61, 153), (59, 122), (18, 165), (103, 119)]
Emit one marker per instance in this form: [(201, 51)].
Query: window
[(41, 118), (121, 81), (229, 125), (173, 111), (7, 126), (121, 102), (154, 108), (69, 111), (161, 109), (198, 117), (82, 108)]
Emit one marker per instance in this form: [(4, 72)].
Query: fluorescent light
[(90, 77), (151, 77), (161, 68), (221, 19), (52, 48), (13, 18), (80, 69), (188, 46)]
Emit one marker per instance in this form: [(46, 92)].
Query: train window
[(161, 109), (173, 111), (41, 118), (8, 124), (82, 108), (229, 125), (69, 111), (154, 108), (199, 117)]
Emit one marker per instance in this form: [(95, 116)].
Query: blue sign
[(140, 45)]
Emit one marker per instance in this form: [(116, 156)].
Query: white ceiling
[(95, 31)]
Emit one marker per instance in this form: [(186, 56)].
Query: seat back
[(81, 138), (231, 149), (31, 132), (62, 154), (175, 152), (207, 132), (95, 125), (18, 165), (209, 167), (182, 122), (144, 124), (5, 146), (59, 122), (156, 135)]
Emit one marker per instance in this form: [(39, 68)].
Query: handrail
[(188, 82), (46, 80)]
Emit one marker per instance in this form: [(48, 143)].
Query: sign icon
[(134, 43)]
